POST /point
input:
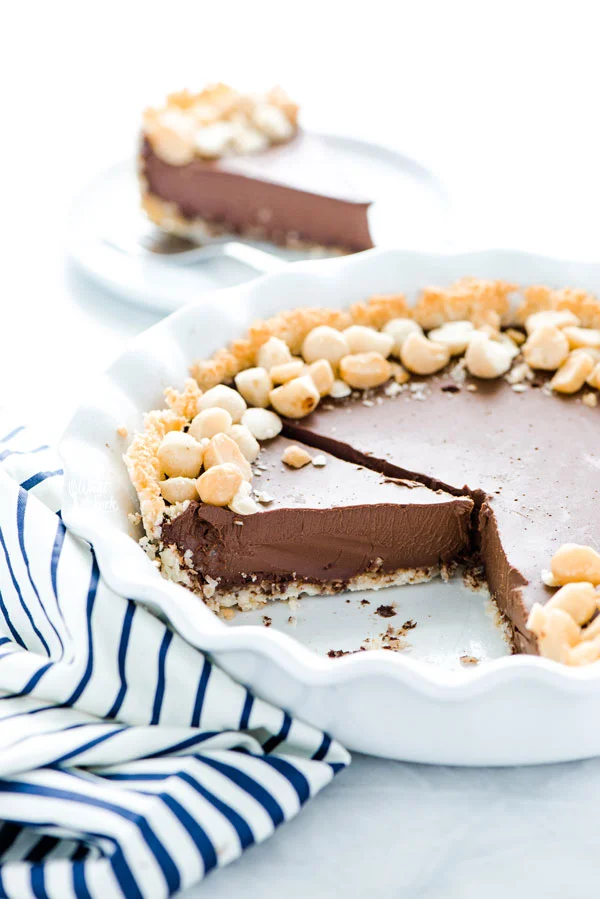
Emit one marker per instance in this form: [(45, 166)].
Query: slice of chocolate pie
[(378, 445), (324, 527), (219, 162)]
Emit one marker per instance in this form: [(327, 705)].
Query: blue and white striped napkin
[(129, 764)]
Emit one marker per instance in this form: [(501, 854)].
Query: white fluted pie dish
[(422, 704)]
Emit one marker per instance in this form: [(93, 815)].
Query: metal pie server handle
[(182, 252)]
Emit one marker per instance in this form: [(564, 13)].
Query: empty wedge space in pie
[(330, 450)]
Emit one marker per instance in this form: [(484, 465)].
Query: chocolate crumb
[(385, 611), (409, 625), (392, 638), (474, 579), (338, 653), (267, 621), (365, 602), (450, 388)]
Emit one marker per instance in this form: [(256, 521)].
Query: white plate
[(410, 210), (507, 710)]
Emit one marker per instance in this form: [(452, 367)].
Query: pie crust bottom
[(168, 218)]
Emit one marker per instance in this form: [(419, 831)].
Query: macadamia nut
[(172, 137), (180, 455), (572, 374), (487, 358), (272, 121), (262, 423), (559, 318), (582, 337), (324, 342), (546, 348), (322, 374), (399, 329), (222, 449), (297, 398), (593, 379), (210, 422), (225, 398), (254, 384), (364, 370), (339, 390), (423, 356), (580, 600), (177, 490), (454, 335), (555, 630), (246, 441), (219, 484), (273, 352), (296, 456), (361, 339), (281, 374), (574, 562), (243, 503)]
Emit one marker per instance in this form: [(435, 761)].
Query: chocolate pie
[(385, 444), (222, 162), (325, 527)]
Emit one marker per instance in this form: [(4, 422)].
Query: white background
[(501, 99)]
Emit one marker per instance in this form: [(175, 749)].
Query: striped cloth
[(129, 763)]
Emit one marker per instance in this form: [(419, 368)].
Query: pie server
[(181, 251)]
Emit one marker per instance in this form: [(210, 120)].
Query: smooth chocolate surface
[(296, 188), (530, 460), (324, 524)]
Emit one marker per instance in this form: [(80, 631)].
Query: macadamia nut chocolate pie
[(220, 161), (330, 450)]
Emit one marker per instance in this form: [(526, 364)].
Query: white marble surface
[(387, 829), (500, 98)]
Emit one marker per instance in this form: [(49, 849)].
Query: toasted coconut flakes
[(210, 586), (184, 403), (172, 568), (227, 613)]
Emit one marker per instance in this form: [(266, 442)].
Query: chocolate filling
[(310, 546), (293, 189), (324, 525)]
